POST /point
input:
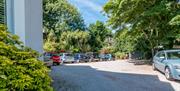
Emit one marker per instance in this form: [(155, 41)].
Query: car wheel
[(168, 74), (54, 64), (57, 63), (90, 60), (154, 67), (61, 63)]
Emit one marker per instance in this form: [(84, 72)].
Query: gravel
[(110, 76)]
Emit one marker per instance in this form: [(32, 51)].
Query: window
[(173, 55), (161, 55), (2, 12), (178, 1)]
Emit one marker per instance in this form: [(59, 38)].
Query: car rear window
[(69, 54), (48, 54), (173, 55)]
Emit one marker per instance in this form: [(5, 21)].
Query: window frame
[(3, 17)]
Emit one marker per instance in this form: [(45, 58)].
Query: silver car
[(67, 58), (168, 62)]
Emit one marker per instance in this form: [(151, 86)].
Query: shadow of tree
[(86, 78)]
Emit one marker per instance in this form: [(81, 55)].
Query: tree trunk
[(153, 53)]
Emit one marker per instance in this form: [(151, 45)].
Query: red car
[(56, 59)]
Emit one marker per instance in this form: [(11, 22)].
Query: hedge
[(20, 70)]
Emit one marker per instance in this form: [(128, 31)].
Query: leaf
[(3, 77)]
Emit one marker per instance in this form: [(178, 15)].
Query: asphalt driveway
[(110, 76)]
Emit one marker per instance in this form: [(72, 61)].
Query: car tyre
[(61, 63), (57, 63), (168, 74), (54, 64)]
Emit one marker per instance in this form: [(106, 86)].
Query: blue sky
[(90, 10)]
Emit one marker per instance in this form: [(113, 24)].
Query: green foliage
[(20, 70), (99, 32), (60, 16), (76, 41), (50, 46), (107, 49), (79, 41), (153, 22), (120, 55), (124, 42), (175, 20)]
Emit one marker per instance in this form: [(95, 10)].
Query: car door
[(47, 56), (161, 61)]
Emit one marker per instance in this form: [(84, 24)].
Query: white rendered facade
[(24, 18)]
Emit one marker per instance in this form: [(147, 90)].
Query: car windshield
[(173, 55)]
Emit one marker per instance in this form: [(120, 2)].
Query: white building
[(24, 18)]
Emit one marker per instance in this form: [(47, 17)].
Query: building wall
[(25, 20), (19, 19), (33, 14)]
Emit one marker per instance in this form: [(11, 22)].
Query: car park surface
[(110, 76)]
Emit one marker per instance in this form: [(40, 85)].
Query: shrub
[(120, 55), (20, 70)]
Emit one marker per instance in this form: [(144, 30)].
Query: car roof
[(173, 50)]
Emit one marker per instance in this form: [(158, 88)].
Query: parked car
[(78, 57), (56, 59), (108, 57), (92, 56), (96, 57), (68, 58), (81, 57), (102, 57), (48, 63), (47, 56), (52, 57), (47, 60), (105, 57), (168, 62), (85, 58), (89, 56)]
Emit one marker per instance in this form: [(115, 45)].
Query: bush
[(120, 55), (20, 70)]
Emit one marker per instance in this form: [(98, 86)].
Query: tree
[(59, 16), (124, 42), (99, 32), (150, 18), (76, 41)]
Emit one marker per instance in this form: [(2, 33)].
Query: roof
[(173, 50)]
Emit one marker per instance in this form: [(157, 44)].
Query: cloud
[(90, 4)]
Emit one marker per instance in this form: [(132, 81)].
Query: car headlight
[(177, 66)]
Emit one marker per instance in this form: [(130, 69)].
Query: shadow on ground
[(86, 78)]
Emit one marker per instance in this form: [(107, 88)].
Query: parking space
[(110, 76)]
